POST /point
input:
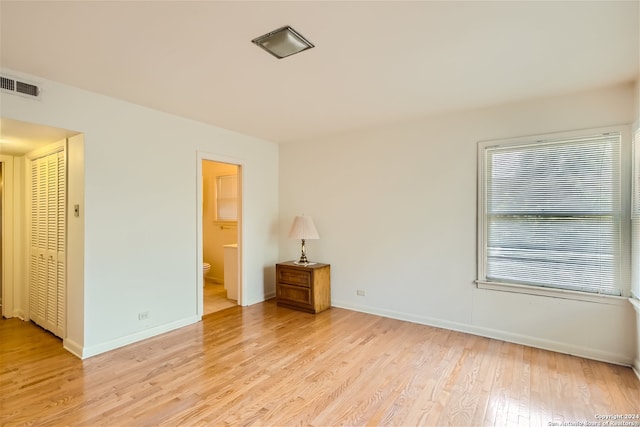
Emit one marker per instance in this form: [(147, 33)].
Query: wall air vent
[(18, 87), (7, 84)]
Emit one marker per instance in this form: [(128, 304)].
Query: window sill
[(553, 293)]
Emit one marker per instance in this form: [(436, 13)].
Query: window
[(635, 217), (550, 214), (227, 197)]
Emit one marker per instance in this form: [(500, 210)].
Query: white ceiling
[(374, 63)]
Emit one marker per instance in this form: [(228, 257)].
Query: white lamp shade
[(303, 228)]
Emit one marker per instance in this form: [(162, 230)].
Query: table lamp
[(304, 229)]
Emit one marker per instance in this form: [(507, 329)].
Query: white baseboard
[(247, 302), (636, 367), (72, 347), (85, 352), (544, 344)]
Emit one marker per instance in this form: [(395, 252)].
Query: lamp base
[(303, 255)]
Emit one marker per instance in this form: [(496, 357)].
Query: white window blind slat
[(553, 213)]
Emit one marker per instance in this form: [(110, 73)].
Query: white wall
[(636, 290), (395, 208), (140, 211), (74, 337), (636, 124)]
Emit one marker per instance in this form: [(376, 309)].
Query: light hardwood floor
[(267, 365)]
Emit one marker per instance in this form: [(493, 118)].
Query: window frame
[(625, 218)]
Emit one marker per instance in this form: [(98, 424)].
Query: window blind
[(552, 214), (227, 198)]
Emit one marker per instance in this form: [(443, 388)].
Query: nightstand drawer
[(295, 294), (294, 277)]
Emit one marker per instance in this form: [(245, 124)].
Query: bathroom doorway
[(220, 232)]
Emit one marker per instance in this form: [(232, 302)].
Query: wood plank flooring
[(271, 366)]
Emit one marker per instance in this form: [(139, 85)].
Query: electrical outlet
[(143, 315), (360, 292)]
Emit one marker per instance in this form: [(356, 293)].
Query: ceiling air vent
[(11, 85)]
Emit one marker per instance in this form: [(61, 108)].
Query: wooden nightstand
[(306, 288)]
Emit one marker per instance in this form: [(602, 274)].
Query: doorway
[(22, 141), (1, 237), (220, 225)]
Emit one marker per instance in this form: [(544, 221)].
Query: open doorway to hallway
[(42, 244), (220, 235)]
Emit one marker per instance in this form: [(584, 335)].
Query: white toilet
[(205, 269)]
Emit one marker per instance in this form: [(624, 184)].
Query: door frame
[(200, 157)]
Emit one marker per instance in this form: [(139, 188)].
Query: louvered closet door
[(51, 313), (37, 264), (61, 248), (47, 275)]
